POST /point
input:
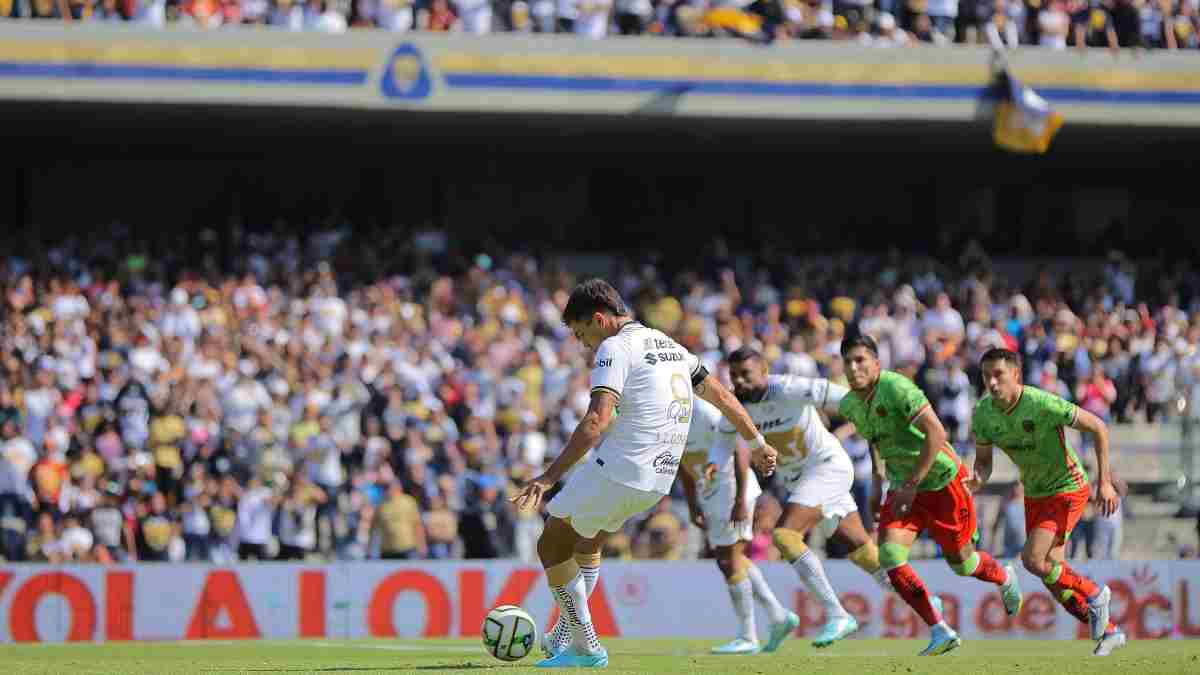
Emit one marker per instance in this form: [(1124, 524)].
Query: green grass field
[(853, 657)]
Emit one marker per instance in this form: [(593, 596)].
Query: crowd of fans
[(1056, 24), (342, 395)]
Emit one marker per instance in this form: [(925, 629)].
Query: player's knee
[(1036, 563), (725, 563), (556, 543), (789, 542), (866, 557), (892, 556)]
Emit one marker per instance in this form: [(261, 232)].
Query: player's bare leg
[(587, 555), (797, 520), (968, 562), (1045, 557), (864, 552), (556, 549), (734, 564), (893, 556)]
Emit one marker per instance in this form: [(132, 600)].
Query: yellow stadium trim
[(691, 68), (165, 54)]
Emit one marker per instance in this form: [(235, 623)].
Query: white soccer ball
[(509, 633)]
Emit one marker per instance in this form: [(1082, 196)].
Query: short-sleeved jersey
[(651, 376), (885, 419), (1032, 434), (787, 417)]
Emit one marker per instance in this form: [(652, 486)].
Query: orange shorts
[(948, 514), (1057, 513)]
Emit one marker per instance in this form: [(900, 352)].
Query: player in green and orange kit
[(1027, 424), (927, 487)]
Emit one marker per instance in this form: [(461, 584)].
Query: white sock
[(560, 635), (590, 576), (762, 592), (573, 607), (812, 573), (742, 596), (881, 577)]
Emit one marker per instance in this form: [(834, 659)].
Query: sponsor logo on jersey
[(882, 411), (666, 463), (1027, 425), (603, 363), (650, 359), (775, 423)]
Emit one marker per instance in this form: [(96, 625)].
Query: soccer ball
[(508, 633)]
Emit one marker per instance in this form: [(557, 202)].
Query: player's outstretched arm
[(982, 473), (710, 389), (1106, 493), (935, 439), (587, 433)]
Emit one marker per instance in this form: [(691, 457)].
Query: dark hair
[(860, 340), (1001, 354), (743, 354), (593, 295)]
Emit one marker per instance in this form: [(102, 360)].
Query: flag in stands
[(1023, 121)]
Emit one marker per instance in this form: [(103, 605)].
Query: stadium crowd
[(340, 395), (1055, 24)]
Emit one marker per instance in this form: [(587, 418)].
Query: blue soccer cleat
[(571, 657), (835, 630), (1110, 642), (942, 641), (1098, 613), (737, 646), (1011, 592), (782, 631)]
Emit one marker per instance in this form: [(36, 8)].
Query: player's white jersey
[(702, 437), (651, 375), (787, 417)]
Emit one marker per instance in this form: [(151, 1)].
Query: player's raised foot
[(782, 631), (1111, 641), (737, 646), (573, 657), (835, 630), (1010, 591), (942, 639), (549, 648), (1098, 613)]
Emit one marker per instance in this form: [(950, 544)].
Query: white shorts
[(591, 501), (717, 507), (825, 485)]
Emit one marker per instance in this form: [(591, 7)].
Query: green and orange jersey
[(1032, 433), (885, 417)]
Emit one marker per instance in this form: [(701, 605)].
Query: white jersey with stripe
[(702, 438), (787, 416), (651, 376)]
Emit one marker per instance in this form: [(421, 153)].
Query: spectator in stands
[(1001, 30), (1092, 24), (398, 526), (1158, 373)]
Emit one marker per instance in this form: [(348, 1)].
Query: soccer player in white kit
[(721, 491), (817, 472), (652, 379)]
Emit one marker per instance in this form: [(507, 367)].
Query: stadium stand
[(332, 393), (1003, 24)]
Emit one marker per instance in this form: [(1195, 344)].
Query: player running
[(818, 474), (652, 379), (927, 490), (721, 491), (1027, 424)]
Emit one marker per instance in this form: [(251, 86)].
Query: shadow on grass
[(389, 669)]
